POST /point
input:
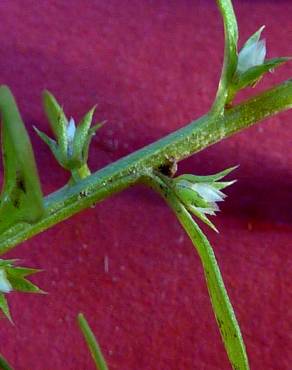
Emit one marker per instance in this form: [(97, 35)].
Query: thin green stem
[(92, 343), (222, 307), (125, 172)]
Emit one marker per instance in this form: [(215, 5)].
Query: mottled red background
[(152, 66)]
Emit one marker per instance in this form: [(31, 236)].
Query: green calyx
[(14, 279), (252, 65), (243, 69), (71, 144), (200, 194)]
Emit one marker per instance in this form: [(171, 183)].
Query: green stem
[(125, 172), (222, 307), (92, 343), (79, 174)]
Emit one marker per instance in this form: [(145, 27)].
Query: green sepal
[(21, 284), (252, 76), (189, 196), (51, 144), (16, 276), (81, 134), (21, 197), (201, 216), (223, 184), (90, 135), (7, 263), (70, 148), (21, 271), (57, 119), (4, 307), (206, 179)]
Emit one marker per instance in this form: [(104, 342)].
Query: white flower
[(208, 192), (200, 194), (251, 55), (5, 286), (71, 128)]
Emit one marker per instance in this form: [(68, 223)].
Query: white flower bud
[(5, 286), (71, 128), (251, 55)]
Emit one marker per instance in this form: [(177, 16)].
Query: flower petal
[(5, 286)]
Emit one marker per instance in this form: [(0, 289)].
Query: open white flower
[(5, 286)]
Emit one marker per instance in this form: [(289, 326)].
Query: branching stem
[(125, 172)]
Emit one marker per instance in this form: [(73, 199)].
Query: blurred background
[(152, 67)]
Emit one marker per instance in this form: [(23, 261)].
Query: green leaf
[(230, 54), (92, 343), (57, 119), (21, 198), (4, 307), (4, 365), (254, 74)]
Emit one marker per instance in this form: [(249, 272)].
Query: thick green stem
[(125, 172)]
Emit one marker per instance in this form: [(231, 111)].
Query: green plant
[(24, 212)]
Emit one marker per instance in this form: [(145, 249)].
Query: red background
[(152, 66)]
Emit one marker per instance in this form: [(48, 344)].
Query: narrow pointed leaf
[(21, 198), (57, 119), (4, 307), (92, 343)]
